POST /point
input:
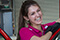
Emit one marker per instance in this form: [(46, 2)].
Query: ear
[(26, 18)]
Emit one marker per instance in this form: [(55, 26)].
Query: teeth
[(37, 19)]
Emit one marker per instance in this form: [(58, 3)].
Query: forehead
[(33, 8)]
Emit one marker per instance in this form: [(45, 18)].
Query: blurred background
[(9, 14)]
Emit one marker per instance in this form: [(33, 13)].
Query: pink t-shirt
[(27, 33)]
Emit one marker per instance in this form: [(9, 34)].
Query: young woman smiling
[(31, 12)]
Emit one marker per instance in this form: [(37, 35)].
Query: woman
[(31, 14)]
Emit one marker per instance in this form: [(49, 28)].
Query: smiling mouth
[(38, 19)]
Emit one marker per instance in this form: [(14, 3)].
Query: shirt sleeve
[(25, 34)]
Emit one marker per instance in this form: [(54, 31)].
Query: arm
[(58, 20), (44, 37)]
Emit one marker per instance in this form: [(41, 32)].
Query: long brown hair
[(24, 12)]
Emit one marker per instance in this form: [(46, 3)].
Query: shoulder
[(23, 29), (50, 23), (24, 33), (45, 26)]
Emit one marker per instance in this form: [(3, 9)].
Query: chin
[(39, 23)]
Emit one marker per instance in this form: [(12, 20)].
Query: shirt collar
[(34, 29)]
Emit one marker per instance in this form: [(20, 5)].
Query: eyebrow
[(36, 10)]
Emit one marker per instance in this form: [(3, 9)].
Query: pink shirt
[(27, 33)]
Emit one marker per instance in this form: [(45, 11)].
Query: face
[(34, 14)]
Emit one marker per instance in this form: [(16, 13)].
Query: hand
[(58, 20)]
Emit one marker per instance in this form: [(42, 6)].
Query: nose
[(37, 14)]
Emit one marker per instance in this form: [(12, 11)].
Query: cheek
[(40, 13), (32, 17)]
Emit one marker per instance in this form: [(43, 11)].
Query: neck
[(37, 27)]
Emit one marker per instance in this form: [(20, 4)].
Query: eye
[(38, 10), (32, 13)]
